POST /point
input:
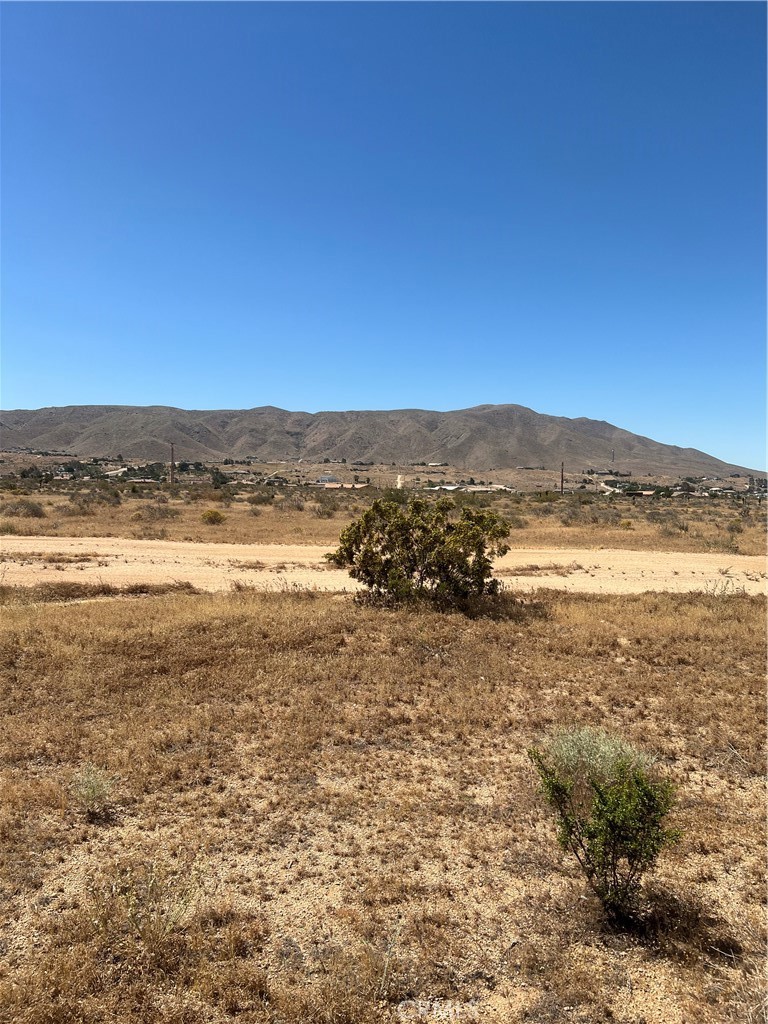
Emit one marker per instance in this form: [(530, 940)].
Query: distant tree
[(407, 552)]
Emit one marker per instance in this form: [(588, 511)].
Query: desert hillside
[(482, 438)]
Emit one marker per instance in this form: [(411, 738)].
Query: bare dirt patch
[(120, 562)]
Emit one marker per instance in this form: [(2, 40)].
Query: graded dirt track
[(26, 561)]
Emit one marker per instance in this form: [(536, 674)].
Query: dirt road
[(28, 560)]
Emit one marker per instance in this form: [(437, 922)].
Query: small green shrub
[(610, 806), (92, 791), (212, 517)]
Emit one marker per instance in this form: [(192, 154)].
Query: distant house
[(487, 488)]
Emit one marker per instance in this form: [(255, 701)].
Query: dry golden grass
[(52, 592), (310, 810)]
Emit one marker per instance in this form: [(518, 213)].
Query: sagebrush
[(610, 805)]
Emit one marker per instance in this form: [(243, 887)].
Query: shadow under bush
[(679, 927), (501, 607)]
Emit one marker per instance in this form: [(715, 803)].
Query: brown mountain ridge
[(481, 438)]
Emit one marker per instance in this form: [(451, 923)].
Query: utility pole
[(173, 468), (562, 476)]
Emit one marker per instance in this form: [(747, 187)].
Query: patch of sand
[(121, 562)]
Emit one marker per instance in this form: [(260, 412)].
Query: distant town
[(52, 466)]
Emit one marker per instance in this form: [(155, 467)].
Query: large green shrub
[(610, 804), (402, 552)]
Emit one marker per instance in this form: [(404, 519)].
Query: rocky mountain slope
[(482, 438)]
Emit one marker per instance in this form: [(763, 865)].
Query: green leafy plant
[(610, 805), (404, 552), (212, 517)]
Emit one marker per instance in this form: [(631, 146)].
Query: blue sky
[(352, 206)]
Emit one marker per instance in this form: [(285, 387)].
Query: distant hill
[(482, 438)]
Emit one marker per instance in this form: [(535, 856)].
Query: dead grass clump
[(9, 528), (23, 508), (93, 792), (158, 512), (76, 509), (47, 593), (534, 569)]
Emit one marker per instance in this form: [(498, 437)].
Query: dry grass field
[(315, 516), (293, 808)]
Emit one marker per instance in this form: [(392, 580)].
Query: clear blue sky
[(351, 206)]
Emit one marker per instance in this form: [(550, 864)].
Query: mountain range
[(481, 438)]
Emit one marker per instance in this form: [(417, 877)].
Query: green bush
[(213, 517), (610, 806), (417, 551)]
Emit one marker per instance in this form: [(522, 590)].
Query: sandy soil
[(28, 560)]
